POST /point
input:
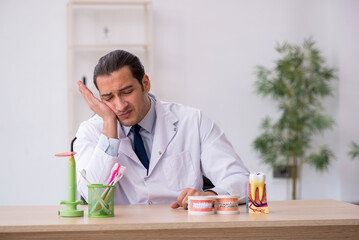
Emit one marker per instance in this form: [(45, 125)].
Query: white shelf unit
[(93, 30)]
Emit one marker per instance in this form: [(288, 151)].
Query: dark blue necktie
[(139, 147)]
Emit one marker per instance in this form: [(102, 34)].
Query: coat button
[(175, 129), (159, 153)]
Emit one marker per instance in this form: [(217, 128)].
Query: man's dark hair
[(114, 61)]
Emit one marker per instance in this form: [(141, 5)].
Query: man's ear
[(146, 83)]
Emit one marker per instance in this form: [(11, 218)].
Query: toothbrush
[(121, 172), (105, 194), (114, 172)]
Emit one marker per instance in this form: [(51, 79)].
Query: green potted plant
[(298, 82)]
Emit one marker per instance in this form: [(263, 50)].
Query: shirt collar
[(148, 122)]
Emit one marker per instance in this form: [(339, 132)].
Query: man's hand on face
[(94, 103), (182, 200), (101, 109)]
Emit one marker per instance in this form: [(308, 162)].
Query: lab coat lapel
[(165, 130)]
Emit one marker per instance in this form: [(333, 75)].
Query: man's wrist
[(110, 127)]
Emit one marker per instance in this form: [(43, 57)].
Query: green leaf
[(266, 124), (265, 145), (320, 122), (354, 150), (322, 159)]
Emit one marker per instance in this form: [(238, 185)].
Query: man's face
[(124, 95)]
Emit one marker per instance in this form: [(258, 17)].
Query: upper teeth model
[(257, 180)]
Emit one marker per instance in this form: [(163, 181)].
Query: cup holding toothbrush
[(96, 208), (101, 197)]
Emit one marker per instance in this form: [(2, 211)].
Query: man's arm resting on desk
[(219, 161)]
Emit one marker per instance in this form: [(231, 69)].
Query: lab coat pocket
[(179, 171)]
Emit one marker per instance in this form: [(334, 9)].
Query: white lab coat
[(186, 145)]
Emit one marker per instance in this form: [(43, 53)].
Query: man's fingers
[(86, 93), (185, 200), (90, 99), (182, 199), (175, 205), (182, 195), (81, 87), (190, 192)]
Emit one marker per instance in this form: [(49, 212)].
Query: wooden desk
[(301, 219)]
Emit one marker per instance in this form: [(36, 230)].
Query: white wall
[(33, 101), (349, 98), (205, 54)]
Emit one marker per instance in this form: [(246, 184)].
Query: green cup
[(101, 199)]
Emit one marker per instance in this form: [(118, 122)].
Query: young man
[(165, 147)]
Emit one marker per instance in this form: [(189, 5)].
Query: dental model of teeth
[(256, 201)]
